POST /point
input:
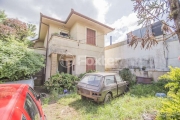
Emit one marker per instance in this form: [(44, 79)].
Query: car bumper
[(91, 97)]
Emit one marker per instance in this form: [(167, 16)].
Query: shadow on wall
[(133, 63)]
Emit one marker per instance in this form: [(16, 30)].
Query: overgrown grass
[(139, 100), (125, 107)]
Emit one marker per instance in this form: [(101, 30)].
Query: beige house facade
[(73, 46)]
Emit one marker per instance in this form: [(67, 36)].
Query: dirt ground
[(57, 111)]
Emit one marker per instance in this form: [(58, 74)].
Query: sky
[(114, 13)]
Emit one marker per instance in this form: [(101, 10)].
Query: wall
[(81, 34), (66, 46), (73, 32), (40, 51), (39, 44), (158, 58), (77, 47)]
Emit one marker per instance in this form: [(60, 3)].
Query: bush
[(17, 61), (62, 81), (171, 107), (127, 76)]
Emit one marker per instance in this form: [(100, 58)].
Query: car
[(20, 102), (101, 86)]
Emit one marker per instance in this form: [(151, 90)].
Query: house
[(155, 60), (73, 46)]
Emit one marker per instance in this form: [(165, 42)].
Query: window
[(32, 91), (91, 37), (118, 78), (64, 34), (109, 80), (92, 80), (23, 117), (31, 108)]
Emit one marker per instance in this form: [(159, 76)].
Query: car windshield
[(92, 80)]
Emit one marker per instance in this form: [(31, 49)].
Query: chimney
[(110, 40)]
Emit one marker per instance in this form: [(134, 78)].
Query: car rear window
[(92, 80)]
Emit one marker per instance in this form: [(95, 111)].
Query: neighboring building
[(156, 60), (69, 45)]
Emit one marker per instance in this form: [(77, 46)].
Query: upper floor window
[(64, 34), (91, 37)]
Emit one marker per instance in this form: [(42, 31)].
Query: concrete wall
[(41, 51), (158, 58)]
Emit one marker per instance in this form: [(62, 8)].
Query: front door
[(62, 67), (110, 85), (90, 64)]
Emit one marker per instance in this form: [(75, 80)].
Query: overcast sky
[(115, 13)]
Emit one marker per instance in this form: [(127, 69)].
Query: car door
[(110, 84), (120, 84)]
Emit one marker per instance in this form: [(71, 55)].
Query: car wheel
[(83, 97), (107, 98)]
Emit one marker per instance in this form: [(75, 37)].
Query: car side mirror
[(41, 95), (38, 96)]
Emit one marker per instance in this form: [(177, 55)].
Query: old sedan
[(101, 87)]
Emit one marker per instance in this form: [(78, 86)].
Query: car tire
[(107, 98), (83, 97)]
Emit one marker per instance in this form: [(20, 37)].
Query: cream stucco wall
[(73, 32), (39, 44)]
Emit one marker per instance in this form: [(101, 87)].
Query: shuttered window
[(90, 64), (91, 37)]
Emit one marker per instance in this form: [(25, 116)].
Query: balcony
[(64, 44)]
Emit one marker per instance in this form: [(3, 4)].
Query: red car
[(19, 102)]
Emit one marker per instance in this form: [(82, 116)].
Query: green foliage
[(62, 81), (171, 107), (2, 16), (82, 74), (127, 75), (17, 61), (147, 90)]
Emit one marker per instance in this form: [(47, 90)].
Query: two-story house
[(73, 46)]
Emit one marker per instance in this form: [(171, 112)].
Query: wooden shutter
[(91, 37), (90, 64)]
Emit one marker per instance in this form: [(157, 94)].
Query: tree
[(21, 30), (16, 60), (149, 11), (2, 16)]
